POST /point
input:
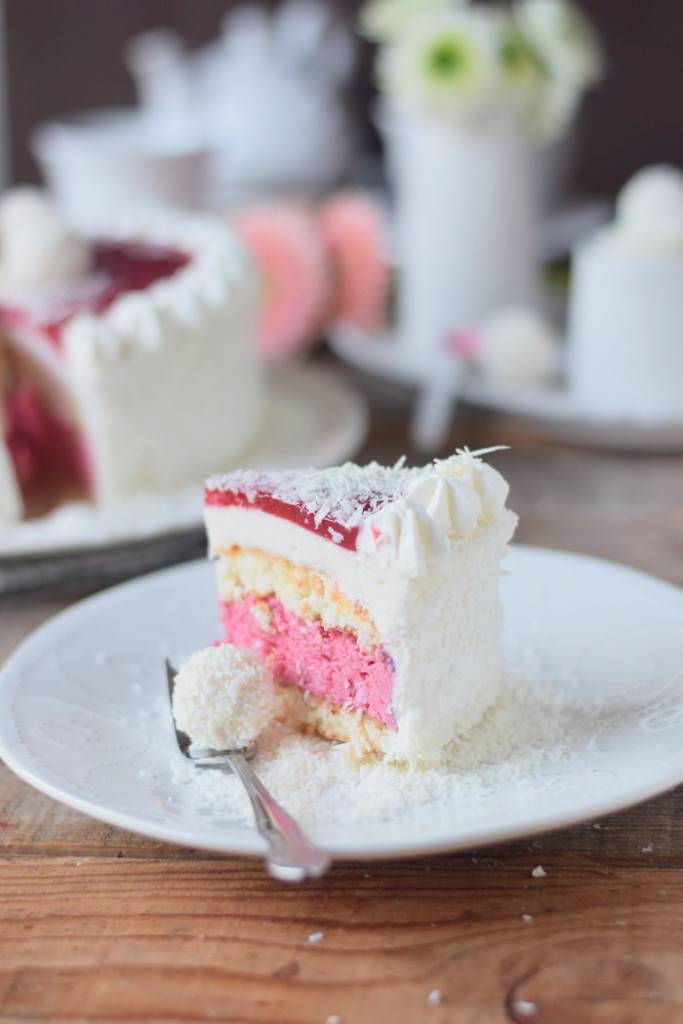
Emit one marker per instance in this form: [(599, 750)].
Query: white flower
[(552, 110), (568, 55), (386, 20), (522, 71), (457, 60), (447, 64), (517, 346), (563, 39)]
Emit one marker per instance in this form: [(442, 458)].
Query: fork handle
[(291, 856)]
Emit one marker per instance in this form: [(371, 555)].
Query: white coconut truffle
[(223, 697), (650, 210), (517, 346), (37, 248)]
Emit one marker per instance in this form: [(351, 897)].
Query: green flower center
[(519, 58), (514, 53), (447, 59)]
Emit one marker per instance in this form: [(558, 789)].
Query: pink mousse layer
[(326, 662)]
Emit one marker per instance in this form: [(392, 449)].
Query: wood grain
[(199, 939), (97, 924)]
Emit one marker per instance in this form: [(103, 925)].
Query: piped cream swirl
[(450, 501)]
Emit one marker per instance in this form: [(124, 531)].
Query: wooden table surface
[(98, 924)]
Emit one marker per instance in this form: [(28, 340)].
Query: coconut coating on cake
[(375, 588)]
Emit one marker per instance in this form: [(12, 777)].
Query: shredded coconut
[(344, 494), (435, 997), (321, 785), (538, 872), (316, 937)]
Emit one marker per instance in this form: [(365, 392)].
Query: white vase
[(466, 227)]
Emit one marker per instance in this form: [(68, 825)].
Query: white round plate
[(552, 407), (84, 715), (314, 418)]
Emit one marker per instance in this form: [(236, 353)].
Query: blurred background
[(65, 55)]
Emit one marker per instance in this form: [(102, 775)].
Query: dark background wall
[(65, 55)]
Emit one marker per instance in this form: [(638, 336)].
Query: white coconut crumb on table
[(435, 997), (334, 1018), (539, 872), (527, 918), (526, 1008), (316, 937)]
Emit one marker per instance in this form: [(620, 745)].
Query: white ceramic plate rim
[(242, 840)]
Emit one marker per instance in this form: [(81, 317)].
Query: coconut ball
[(223, 697), (650, 209), (517, 346), (37, 248)]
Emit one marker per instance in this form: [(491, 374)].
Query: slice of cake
[(128, 357), (371, 593)]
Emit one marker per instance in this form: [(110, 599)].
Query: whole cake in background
[(625, 355), (370, 593), (127, 359)]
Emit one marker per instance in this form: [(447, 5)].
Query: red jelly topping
[(134, 266), (118, 267), (332, 529)]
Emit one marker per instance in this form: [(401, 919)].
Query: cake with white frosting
[(127, 358), (371, 593), (625, 354)]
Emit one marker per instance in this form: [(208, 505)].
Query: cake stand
[(551, 408)]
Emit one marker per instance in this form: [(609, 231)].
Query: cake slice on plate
[(127, 358), (371, 593)]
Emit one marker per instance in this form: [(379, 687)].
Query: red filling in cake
[(50, 459)]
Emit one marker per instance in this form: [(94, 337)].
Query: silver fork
[(291, 857)]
